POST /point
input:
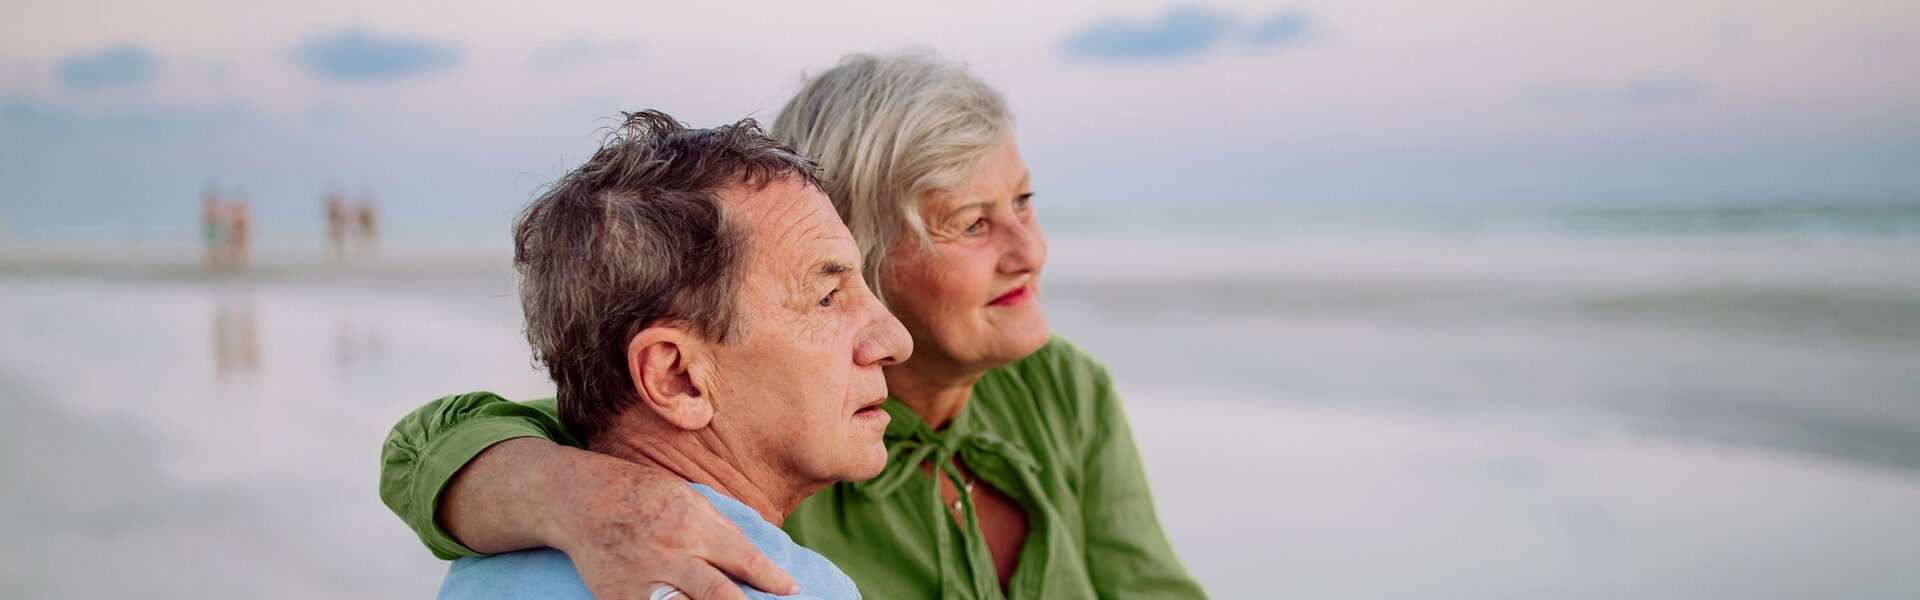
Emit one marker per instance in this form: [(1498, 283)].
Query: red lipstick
[(1018, 296)]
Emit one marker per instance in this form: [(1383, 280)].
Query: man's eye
[(827, 301), (1023, 201)]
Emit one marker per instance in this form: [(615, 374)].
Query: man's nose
[(886, 341)]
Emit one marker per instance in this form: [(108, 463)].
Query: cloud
[(33, 118), (1183, 31), (29, 117), (579, 53), (115, 66), (1646, 91), (1279, 29), (354, 55)]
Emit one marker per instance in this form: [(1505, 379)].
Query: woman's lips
[(1019, 295)]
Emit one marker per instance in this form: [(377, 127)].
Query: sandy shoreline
[(1326, 420)]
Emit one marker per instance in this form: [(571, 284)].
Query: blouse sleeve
[(427, 447), (1128, 553)]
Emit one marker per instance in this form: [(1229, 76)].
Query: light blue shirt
[(548, 573)]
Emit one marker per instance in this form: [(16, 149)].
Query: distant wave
[(1868, 219)]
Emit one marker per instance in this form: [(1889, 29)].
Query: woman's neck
[(934, 390)]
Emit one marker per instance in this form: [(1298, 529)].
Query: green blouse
[(1047, 430)]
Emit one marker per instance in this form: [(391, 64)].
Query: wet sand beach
[(1329, 418)]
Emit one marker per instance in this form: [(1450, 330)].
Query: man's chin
[(871, 464)]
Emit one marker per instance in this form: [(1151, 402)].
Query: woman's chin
[(1020, 336), (996, 341)]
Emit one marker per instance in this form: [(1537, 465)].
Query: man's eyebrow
[(827, 269)]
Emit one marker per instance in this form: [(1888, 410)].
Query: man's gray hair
[(636, 237), (888, 131)]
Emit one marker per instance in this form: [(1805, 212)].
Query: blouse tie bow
[(993, 460)]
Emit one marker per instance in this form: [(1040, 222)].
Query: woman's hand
[(629, 528)]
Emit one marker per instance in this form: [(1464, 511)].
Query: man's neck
[(700, 457)]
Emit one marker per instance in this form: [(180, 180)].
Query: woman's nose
[(1026, 247)]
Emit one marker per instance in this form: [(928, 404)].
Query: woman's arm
[(428, 447), (1128, 553), (488, 470)]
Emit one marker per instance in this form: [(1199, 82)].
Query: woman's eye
[(827, 301), (978, 226), (1023, 201)]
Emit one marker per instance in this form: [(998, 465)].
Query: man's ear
[(664, 360)]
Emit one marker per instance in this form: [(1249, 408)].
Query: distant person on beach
[(236, 341), (213, 227), (676, 286), (367, 225), (1011, 471), (336, 208), (239, 230)]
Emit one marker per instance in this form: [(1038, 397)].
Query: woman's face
[(973, 301)]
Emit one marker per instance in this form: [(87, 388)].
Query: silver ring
[(666, 592)]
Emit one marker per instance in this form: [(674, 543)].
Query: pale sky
[(114, 114)]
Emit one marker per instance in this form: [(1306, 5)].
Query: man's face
[(801, 389)]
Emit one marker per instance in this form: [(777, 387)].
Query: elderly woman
[(1011, 469)]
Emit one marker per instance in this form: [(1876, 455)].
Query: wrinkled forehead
[(787, 227), (781, 194), (783, 209)]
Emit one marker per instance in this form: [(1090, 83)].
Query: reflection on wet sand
[(1454, 421), (357, 343), (236, 340)]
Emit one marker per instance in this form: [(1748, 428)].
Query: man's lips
[(1017, 296), (871, 407)]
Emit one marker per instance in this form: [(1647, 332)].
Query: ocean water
[(1570, 418), (1377, 414)]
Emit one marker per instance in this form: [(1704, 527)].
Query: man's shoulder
[(549, 573), (818, 577), (537, 573), (542, 573)]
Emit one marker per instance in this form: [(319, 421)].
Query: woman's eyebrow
[(964, 207)]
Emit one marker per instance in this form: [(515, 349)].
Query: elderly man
[(700, 306)]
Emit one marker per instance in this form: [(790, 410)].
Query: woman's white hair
[(888, 132)]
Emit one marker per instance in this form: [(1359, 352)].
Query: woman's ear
[(665, 362)]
